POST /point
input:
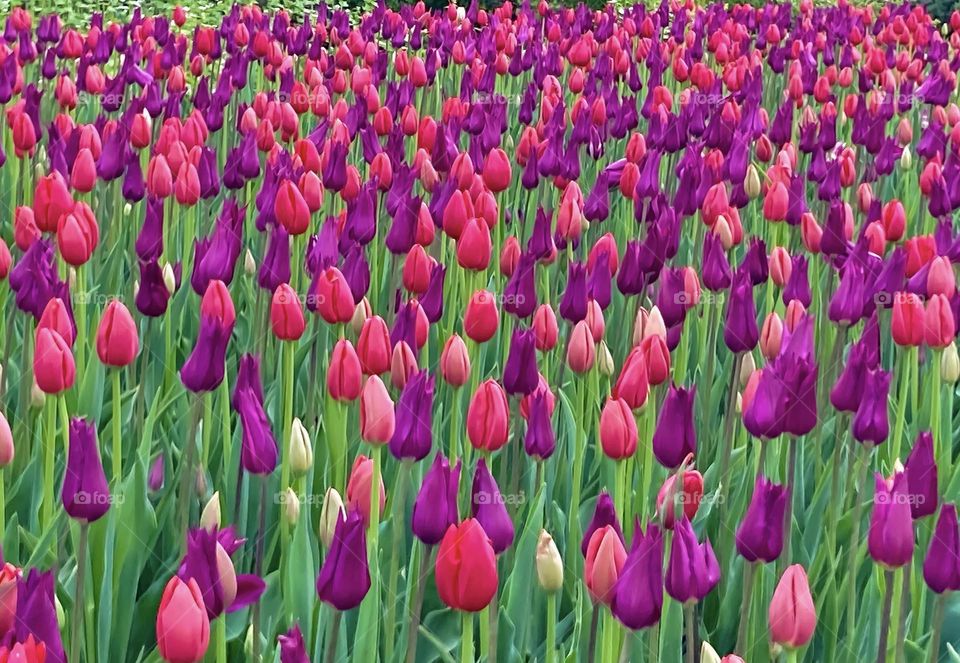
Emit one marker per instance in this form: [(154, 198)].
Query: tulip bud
[(708, 654), (605, 360), (549, 564), (950, 364), (747, 367), (37, 397), (360, 315), (331, 512), (792, 616), (751, 184), (249, 263), (301, 452), (210, 519), (906, 158), (200, 483), (455, 362), (291, 506), (169, 278)]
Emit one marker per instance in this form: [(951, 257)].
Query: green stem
[(396, 543), (853, 552), (78, 595), (221, 635), (117, 434), (749, 574), (691, 644), (466, 638), (885, 616), (418, 605), (334, 636), (902, 616), (49, 447), (551, 651), (933, 651)]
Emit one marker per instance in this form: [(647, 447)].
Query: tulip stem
[(592, 642), (938, 612), (396, 544), (885, 615), (690, 639), (221, 635), (117, 438), (902, 616), (573, 527), (728, 431), (854, 547), (551, 647), (466, 639), (49, 444), (749, 574), (334, 636), (791, 482), (258, 564), (414, 632), (78, 594)]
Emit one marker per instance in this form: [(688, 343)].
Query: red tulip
[(792, 616), (25, 230), (51, 200), (78, 235), (488, 417), (690, 500), (187, 185), (482, 318), (373, 346), (183, 627), (632, 385), (28, 651), (466, 569), (496, 170), (291, 209), (455, 362), (776, 202), (938, 324), (344, 373), (894, 219), (780, 266), (9, 577), (359, 488), (940, 278), (55, 316), (334, 300), (117, 339), (286, 314), (403, 364), (604, 561), (618, 429), (417, 267), (770, 335), (24, 135), (53, 365), (657, 355), (377, 419), (217, 303), (83, 175), (474, 245), (509, 256), (581, 350), (906, 322), (159, 177)]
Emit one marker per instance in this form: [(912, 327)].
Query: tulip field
[(480, 333)]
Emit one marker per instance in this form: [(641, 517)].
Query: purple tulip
[(344, 578), (85, 494)]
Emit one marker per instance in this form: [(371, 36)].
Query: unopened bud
[(708, 654), (249, 264), (291, 506), (605, 359), (747, 367), (210, 518), (301, 453), (330, 513), (950, 364), (360, 315), (169, 278), (906, 159), (549, 564), (751, 184)]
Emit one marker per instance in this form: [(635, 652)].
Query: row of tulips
[(521, 333)]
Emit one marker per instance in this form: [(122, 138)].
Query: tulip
[(435, 508), (208, 563), (760, 534), (548, 563), (604, 514), (344, 578), (332, 512), (632, 385), (520, 369), (53, 365), (870, 423), (692, 571), (488, 508), (938, 323), (941, 567), (907, 321), (359, 491), (51, 200), (545, 328), (581, 350), (496, 170), (292, 647), (376, 412), (690, 497), (332, 296), (301, 451), (474, 246), (618, 430), (344, 373), (258, 453), (183, 628), (488, 421), (675, 435), (921, 471), (792, 617), (890, 541), (77, 235), (466, 568), (117, 339), (740, 331), (605, 558), (638, 591), (286, 314), (85, 494), (291, 209), (455, 362), (481, 319), (413, 436)]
